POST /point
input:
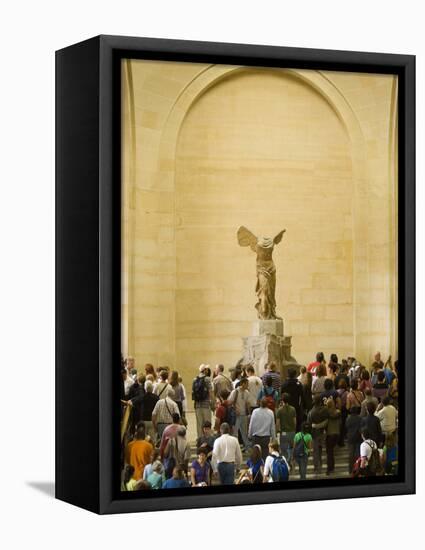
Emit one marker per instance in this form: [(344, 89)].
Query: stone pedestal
[(268, 344)]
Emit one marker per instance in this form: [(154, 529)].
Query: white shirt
[(128, 382), (268, 465), (254, 386), (226, 449), (388, 418), (241, 400), (366, 448)]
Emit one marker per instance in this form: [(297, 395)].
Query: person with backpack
[(370, 459), (202, 397), (177, 452), (276, 468), (269, 393), (302, 449), (262, 427), (255, 465)]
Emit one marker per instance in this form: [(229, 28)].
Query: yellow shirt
[(139, 454)]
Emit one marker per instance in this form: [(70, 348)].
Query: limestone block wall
[(209, 148)]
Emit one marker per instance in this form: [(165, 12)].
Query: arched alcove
[(164, 117)]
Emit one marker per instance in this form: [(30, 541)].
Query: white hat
[(202, 367)]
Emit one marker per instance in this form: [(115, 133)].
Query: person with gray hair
[(162, 414), (226, 455)]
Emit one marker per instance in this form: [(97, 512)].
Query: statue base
[(267, 344)]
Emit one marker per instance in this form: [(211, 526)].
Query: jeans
[(241, 424), (302, 465), (226, 472), (287, 444), (318, 445)]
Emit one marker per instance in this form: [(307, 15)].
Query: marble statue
[(266, 270)]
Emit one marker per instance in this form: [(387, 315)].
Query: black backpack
[(374, 466), (299, 449), (199, 389)]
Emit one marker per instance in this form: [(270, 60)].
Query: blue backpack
[(280, 471)]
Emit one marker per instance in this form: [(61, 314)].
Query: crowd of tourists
[(253, 429)]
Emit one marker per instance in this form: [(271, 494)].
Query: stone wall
[(209, 148)]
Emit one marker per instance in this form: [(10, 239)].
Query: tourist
[(302, 377), (377, 364), (240, 398), (206, 441), (200, 470), (157, 477), (169, 433), (294, 389), (177, 452), (330, 392), (226, 455), (320, 359), (368, 398), (355, 397), (365, 382), (343, 394), (307, 393), (255, 464), (262, 427), (276, 467), (268, 393), (128, 382), (372, 424), (220, 381), (390, 455), (147, 406), (254, 385), (138, 452), (302, 449), (177, 481), (318, 386), (388, 416), (333, 366), (271, 372), (128, 482), (162, 387), (380, 389), (388, 371), (370, 462), (286, 423), (224, 412), (148, 468), (342, 374), (354, 438), (332, 435), (162, 414), (318, 420), (203, 399), (149, 370)]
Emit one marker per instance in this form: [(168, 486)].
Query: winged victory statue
[(266, 270)]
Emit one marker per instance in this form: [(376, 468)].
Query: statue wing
[(279, 236), (246, 238)]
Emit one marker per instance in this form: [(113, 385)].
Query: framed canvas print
[(235, 274)]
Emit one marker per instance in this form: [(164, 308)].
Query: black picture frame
[(88, 269)]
